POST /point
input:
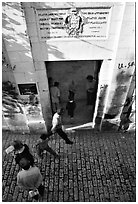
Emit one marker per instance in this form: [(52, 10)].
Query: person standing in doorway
[(90, 87), (71, 105), (57, 126), (55, 96), (50, 81), (72, 89)]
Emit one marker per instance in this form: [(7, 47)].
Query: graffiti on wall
[(127, 66), (123, 80), (125, 75)]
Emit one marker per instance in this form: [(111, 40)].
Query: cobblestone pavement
[(98, 167)]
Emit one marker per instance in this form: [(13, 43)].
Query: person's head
[(17, 144), (56, 84), (43, 136), (74, 11), (73, 82), (128, 100), (60, 111), (50, 81), (89, 77), (24, 163)]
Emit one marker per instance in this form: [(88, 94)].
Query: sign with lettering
[(70, 23)]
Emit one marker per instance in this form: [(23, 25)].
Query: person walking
[(30, 178), (90, 87), (57, 126), (43, 145), (20, 151)]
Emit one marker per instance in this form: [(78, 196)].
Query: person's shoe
[(124, 131), (69, 142), (36, 197), (41, 189), (129, 121)]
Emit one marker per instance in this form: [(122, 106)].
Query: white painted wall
[(56, 50), (125, 53), (76, 49), (118, 48), (17, 45)]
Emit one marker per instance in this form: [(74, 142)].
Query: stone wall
[(29, 53)]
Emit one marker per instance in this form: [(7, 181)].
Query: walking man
[(30, 178), (43, 145), (57, 126)]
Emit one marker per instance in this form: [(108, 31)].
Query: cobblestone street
[(98, 167)]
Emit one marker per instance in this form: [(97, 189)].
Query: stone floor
[(98, 167)]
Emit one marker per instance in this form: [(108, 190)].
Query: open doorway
[(66, 71)]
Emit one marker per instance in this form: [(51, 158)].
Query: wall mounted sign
[(27, 89), (69, 23)]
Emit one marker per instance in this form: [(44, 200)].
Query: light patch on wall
[(28, 54)]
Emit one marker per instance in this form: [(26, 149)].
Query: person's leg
[(126, 125), (87, 98), (49, 133), (72, 113), (36, 197), (54, 107), (58, 105), (120, 125), (39, 151), (64, 136), (51, 151), (41, 190), (91, 98), (69, 113), (71, 95)]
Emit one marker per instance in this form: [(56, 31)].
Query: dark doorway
[(66, 71)]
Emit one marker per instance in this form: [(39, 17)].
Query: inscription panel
[(65, 23)]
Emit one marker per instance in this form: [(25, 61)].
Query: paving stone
[(98, 167), (66, 195), (91, 199), (81, 196), (76, 193)]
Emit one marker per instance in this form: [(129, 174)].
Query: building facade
[(69, 41)]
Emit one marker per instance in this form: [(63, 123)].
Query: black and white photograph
[(68, 101)]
